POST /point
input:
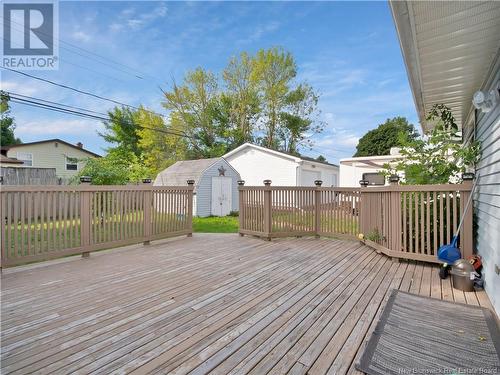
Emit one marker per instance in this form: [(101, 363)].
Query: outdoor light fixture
[(190, 182), (468, 176), (485, 101), (318, 182), (393, 178), (241, 182), (267, 182), (85, 179), (364, 183), (146, 180)]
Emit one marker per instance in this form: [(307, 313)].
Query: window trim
[(68, 163), (373, 174), (24, 159)]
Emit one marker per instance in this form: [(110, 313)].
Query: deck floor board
[(219, 304)]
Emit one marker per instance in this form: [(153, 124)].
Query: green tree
[(159, 144), (389, 134), (121, 131), (118, 167), (7, 136), (273, 72), (298, 123), (194, 107), (439, 157), (240, 101)]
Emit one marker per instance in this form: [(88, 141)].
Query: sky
[(127, 51)]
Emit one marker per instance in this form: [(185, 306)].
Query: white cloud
[(134, 20), (259, 31), (81, 36), (25, 87), (59, 127)]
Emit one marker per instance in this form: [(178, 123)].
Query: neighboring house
[(451, 51), (215, 184), (256, 164), (352, 170), (66, 158)]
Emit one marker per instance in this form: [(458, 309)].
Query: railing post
[(364, 221), (147, 204), (466, 233), (241, 210), (317, 208), (267, 209), (190, 207), (85, 216), (3, 232)]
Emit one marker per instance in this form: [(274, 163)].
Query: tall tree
[(240, 100), (121, 131), (194, 105), (299, 122), (160, 144), (7, 136), (389, 134), (273, 71)]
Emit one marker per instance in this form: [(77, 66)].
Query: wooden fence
[(43, 222), (409, 222)]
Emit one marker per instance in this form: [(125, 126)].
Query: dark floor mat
[(421, 335)]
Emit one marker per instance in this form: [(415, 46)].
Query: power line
[(14, 95), (135, 75), (70, 88), (59, 108), (81, 91)]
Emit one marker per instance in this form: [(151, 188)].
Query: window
[(26, 158), (374, 178), (71, 164)]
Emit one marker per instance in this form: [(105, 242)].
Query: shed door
[(221, 195)]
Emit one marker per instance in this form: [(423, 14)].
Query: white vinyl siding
[(487, 197), (256, 165), (52, 155)]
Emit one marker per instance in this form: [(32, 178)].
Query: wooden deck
[(207, 304)]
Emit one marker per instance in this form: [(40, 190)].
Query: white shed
[(215, 184), (256, 163)]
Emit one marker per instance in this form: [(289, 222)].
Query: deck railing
[(409, 222), (44, 222)]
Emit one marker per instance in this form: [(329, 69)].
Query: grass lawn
[(214, 224)]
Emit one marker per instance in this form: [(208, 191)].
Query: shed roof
[(6, 160), (178, 173)]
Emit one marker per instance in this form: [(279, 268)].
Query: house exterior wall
[(256, 166), (351, 175), (204, 188), (328, 174), (51, 155), (487, 196)]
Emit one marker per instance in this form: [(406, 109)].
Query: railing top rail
[(437, 188), (77, 188), (301, 188), (381, 189)]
